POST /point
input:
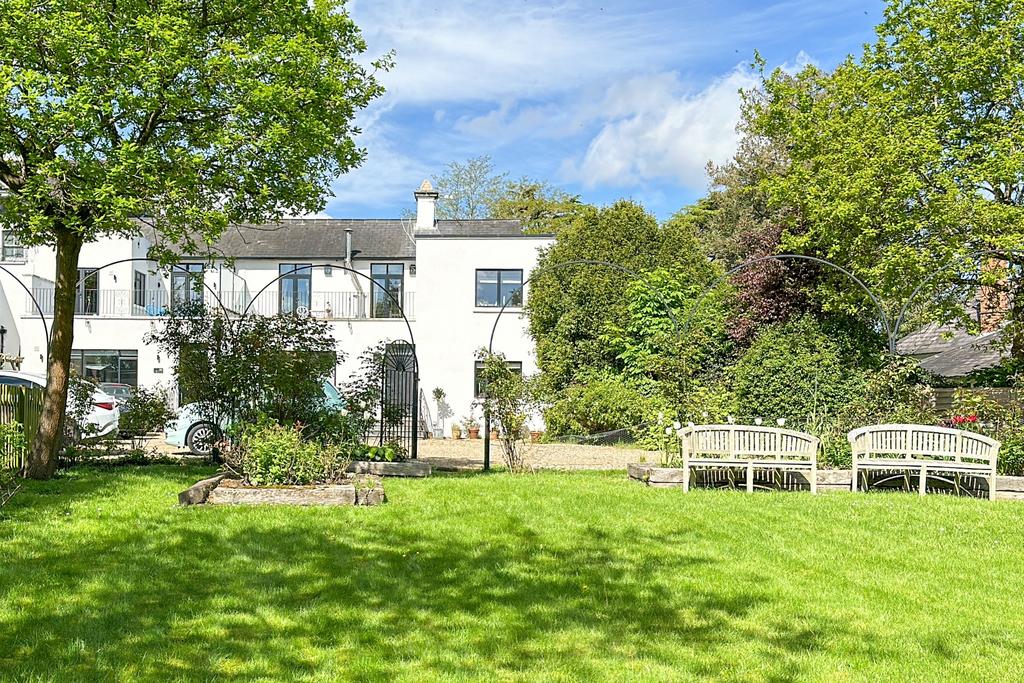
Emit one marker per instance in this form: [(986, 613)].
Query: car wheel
[(201, 438)]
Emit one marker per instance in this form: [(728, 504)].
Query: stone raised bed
[(409, 468), (220, 490), (829, 481)]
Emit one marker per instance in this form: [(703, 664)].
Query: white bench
[(749, 447), (926, 450)]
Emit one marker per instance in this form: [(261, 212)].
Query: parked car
[(122, 392), (193, 431), (103, 417)]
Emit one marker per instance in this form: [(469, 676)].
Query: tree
[(469, 190), (538, 206), (571, 306), (910, 158), (185, 114)]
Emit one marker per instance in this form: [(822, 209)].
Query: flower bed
[(221, 490)]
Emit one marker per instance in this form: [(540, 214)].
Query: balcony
[(126, 303)]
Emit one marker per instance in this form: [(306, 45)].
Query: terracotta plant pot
[(494, 435), (474, 432), (535, 436)]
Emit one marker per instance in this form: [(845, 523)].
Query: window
[(388, 278), (118, 367), (13, 249), (478, 380), (87, 300), (296, 284), (139, 289), (499, 288), (187, 283)]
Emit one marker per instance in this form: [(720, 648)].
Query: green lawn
[(581, 576)]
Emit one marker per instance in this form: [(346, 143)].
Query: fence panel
[(25, 406)]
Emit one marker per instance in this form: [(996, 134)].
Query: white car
[(103, 417)]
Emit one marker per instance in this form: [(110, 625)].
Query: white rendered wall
[(450, 327)]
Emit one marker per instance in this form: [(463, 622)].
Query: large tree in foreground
[(189, 114)]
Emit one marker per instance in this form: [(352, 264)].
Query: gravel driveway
[(447, 454)]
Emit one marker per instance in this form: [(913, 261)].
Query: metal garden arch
[(553, 268), (408, 326)]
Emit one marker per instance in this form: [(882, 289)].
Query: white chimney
[(425, 198)]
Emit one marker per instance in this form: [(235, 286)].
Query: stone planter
[(474, 432), (535, 437), (456, 432), (409, 468), (219, 490)]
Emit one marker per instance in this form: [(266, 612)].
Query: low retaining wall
[(829, 481), (222, 491), (409, 468)]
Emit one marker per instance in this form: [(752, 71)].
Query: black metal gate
[(399, 406)]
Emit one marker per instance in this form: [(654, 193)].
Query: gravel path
[(447, 454)]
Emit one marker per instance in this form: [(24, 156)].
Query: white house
[(451, 277)]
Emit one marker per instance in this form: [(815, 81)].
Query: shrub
[(601, 403), (79, 405), (508, 400), (12, 442), (144, 411), (983, 414), (270, 454), (793, 371)]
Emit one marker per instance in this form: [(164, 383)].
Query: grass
[(579, 576)]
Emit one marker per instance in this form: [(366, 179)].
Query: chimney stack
[(993, 300), (425, 199)]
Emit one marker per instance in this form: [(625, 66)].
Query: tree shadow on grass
[(245, 593)]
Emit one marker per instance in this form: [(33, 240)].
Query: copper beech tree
[(186, 115)]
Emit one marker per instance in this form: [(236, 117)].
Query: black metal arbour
[(399, 404)]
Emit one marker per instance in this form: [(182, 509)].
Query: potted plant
[(494, 433), (444, 411), (456, 431), (536, 435), (472, 427)]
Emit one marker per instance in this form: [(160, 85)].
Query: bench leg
[(922, 480), (853, 481), (814, 480), (686, 477), (992, 487), (750, 478)]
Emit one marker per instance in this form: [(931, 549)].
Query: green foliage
[(508, 399), (908, 158), (1004, 422), (269, 454), (538, 206), (570, 306), (145, 410), (793, 371), (469, 190), (236, 370), (600, 403), (191, 114), (80, 392), (12, 443)]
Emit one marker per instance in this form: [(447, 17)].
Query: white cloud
[(483, 50), (655, 129)]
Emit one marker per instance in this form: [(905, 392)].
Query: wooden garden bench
[(924, 450), (751, 448)]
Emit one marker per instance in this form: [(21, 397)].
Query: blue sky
[(605, 99)]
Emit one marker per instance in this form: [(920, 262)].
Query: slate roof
[(324, 238), (949, 352)]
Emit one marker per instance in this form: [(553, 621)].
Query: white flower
[(758, 421), (730, 419), (677, 425), (668, 431), (781, 422)]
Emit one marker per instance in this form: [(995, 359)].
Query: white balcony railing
[(126, 303)]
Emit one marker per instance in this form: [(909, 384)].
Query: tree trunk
[(42, 458)]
